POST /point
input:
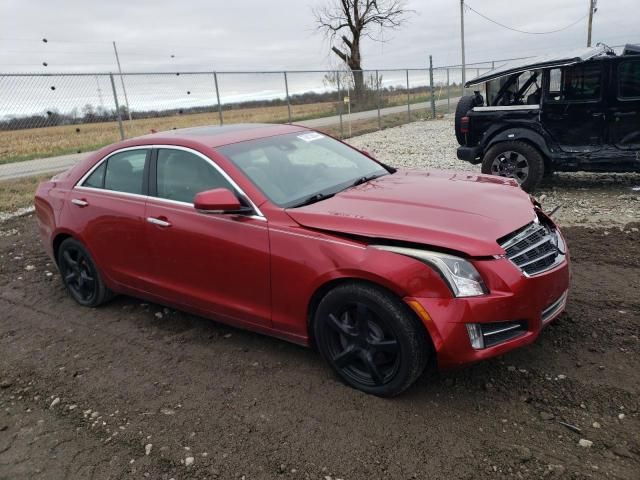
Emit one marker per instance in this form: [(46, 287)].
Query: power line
[(523, 31)]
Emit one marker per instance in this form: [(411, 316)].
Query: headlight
[(462, 277)]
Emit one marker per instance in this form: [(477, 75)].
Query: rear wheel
[(370, 338), (517, 160), (80, 274)]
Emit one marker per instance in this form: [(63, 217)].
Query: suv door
[(109, 202), (624, 119), (572, 108), (212, 263)]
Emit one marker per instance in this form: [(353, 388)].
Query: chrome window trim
[(134, 196), (78, 185)]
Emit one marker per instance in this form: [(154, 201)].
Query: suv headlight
[(461, 276)]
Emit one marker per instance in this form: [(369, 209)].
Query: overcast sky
[(279, 34)]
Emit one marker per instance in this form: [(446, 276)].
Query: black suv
[(572, 112)]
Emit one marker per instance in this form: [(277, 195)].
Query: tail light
[(464, 125)]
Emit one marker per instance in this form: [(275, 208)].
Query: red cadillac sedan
[(288, 232)]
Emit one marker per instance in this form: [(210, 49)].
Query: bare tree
[(349, 21)]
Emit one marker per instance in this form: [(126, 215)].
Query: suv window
[(180, 175), (121, 172), (577, 83), (629, 79)]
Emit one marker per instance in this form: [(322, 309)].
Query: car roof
[(217, 136), (559, 59)]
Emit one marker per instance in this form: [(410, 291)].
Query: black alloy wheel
[(371, 339), (80, 275), (517, 160)]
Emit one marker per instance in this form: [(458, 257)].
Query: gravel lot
[(585, 198), (136, 390)]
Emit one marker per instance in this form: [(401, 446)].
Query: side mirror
[(218, 200)]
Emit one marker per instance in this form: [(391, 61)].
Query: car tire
[(465, 104), (371, 339), (80, 274), (517, 160)]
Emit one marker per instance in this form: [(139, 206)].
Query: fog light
[(475, 335)]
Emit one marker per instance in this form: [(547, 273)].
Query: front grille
[(498, 332), (533, 248)]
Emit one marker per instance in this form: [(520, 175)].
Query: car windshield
[(299, 168)]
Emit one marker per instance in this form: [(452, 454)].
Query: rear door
[(109, 204), (213, 263), (624, 116), (573, 110)]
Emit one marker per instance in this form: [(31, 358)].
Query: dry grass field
[(15, 194), (17, 145)]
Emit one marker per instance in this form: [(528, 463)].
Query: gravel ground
[(585, 198), (135, 390)]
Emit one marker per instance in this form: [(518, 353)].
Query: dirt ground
[(132, 390)]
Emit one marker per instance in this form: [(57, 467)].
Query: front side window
[(629, 79), (121, 172), (291, 168), (577, 83), (180, 175)]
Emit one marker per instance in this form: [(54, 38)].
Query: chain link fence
[(55, 117)]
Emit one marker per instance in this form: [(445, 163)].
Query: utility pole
[(124, 90), (592, 10), (464, 73)]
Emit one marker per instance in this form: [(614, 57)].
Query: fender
[(526, 134)]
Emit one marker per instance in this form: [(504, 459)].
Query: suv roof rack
[(630, 49), (544, 61)]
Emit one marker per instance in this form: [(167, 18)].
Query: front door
[(210, 263), (572, 110), (624, 116)]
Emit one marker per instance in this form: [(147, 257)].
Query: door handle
[(159, 222), (624, 114), (80, 202), (597, 114)]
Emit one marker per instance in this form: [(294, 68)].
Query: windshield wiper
[(365, 179), (313, 199)]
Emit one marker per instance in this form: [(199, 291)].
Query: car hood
[(459, 211)]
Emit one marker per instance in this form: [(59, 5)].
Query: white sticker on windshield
[(310, 137)]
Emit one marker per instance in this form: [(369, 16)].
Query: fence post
[(448, 93), (286, 89), (477, 72), (408, 98), (115, 99), (493, 65), (378, 100), (340, 104), (215, 79), (433, 99)]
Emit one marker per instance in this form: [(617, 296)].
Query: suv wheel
[(371, 339), (517, 160)]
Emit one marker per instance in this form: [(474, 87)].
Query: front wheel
[(517, 160), (371, 339), (80, 274)]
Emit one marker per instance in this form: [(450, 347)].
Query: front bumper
[(470, 154), (534, 301)]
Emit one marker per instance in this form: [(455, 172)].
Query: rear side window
[(121, 172), (629, 79), (180, 175), (577, 83), (96, 179)]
